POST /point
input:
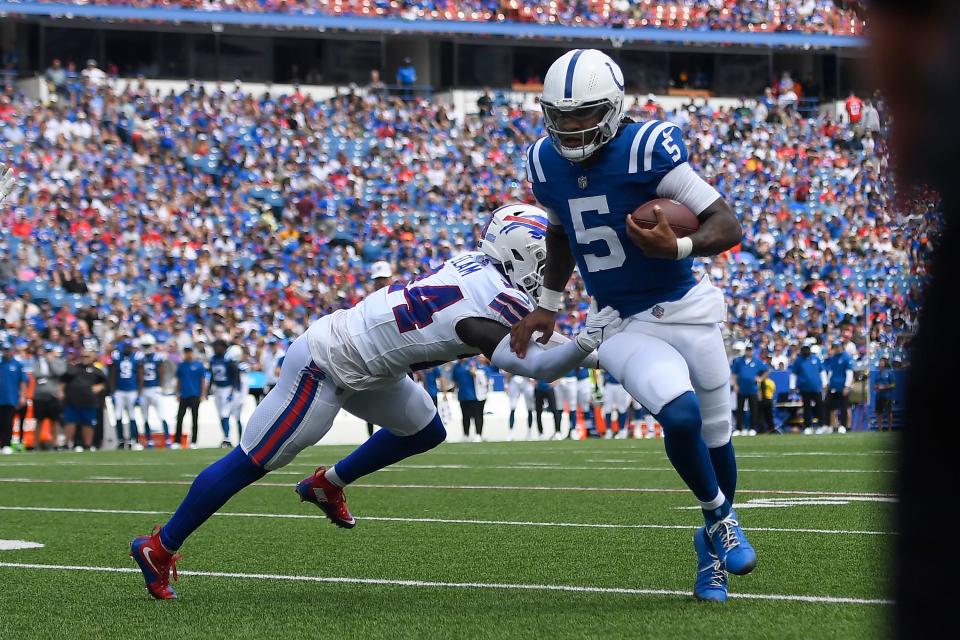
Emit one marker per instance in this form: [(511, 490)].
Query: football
[(682, 220)]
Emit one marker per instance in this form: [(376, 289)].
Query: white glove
[(7, 180), (600, 326)]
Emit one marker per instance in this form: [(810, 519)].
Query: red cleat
[(328, 496), (156, 563)]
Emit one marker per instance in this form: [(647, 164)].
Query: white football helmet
[(234, 352), (515, 238), (147, 342), (583, 85)]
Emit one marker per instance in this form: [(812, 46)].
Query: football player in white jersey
[(235, 353), (358, 359), (591, 172)]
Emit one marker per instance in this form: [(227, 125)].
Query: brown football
[(681, 219)]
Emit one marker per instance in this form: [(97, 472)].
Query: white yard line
[(469, 487), (427, 584), (513, 523)]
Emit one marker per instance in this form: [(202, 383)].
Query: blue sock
[(573, 419), (688, 453), (225, 426), (384, 448), (622, 419), (119, 431), (725, 466), (166, 429), (513, 415), (134, 434), (146, 429), (609, 418), (212, 488), (529, 420)]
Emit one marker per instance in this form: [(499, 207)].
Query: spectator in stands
[(191, 386), (82, 399), (464, 375), (884, 382), (92, 74), (406, 77), (853, 105), (485, 104), (745, 371), (56, 76), (376, 88), (48, 372), (809, 378), (13, 394)]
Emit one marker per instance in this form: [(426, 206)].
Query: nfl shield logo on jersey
[(582, 182), (657, 312)]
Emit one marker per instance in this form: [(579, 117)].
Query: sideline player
[(590, 173), (124, 377), (517, 387), (615, 398), (151, 387), (225, 382), (358, 359)]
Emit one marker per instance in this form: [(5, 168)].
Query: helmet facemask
[(525, 276), (603, 112)]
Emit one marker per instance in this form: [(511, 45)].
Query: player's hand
[(659, 242), (600, 326), (7, 180), (539, 320)]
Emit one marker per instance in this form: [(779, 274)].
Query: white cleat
[(136, 446), (841, 429), (737, 432), (175, 445), (808, 431), (6, 451), (608, 435), (752, 432), (78, 449), (194, 445), (476, 438)]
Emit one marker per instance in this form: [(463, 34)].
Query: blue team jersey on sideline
[(190, 374), (150, 365), (430, 381), (837, 367), (808, 372), (126, 366), (746, 373), (592, 203), (883, 378), (220, 372), (12, 376)]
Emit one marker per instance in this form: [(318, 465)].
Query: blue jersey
[(808, 372), (837, 367), (12, 376), (150, 364), (592, 202), (223, 372), (466, 390), (746, 372), (125, 368), (190, 375), (882, 378), (430, 377)]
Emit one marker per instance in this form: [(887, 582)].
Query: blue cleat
[(711, 583), (731, 546)]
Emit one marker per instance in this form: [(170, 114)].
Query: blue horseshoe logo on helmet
[(614, 76)]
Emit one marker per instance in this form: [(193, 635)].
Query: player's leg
[(585, 402), (297, 413), (622, 402), (539, 399), (223, 400), (411, 425), (528, 401), (513, 397), (128, 405)]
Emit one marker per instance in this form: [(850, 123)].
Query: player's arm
[(559, 266), (491, 338)]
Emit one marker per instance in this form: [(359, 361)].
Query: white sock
[(331, 475), (714, 504)]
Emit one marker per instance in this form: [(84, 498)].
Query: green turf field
[(498, 540)]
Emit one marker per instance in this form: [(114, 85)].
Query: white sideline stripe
[(479, 487), (458, 585), (513, 523), (632, 468)]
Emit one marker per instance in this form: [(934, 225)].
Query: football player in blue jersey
[(225, 383), (592, 170), (151, 387), (125, 381)]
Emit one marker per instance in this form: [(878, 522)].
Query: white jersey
[(405, 327)]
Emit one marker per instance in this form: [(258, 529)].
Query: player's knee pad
[(430, 436), (715, 414), (681, 416)]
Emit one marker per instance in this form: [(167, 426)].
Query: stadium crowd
[(810, 16), (201, 216)]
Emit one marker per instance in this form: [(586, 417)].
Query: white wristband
[(550, 300), (684, 247)]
